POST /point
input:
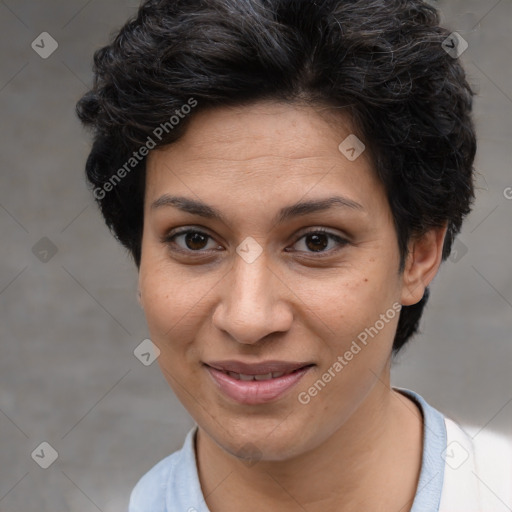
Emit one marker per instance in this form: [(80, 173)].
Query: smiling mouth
[(264, 370), (256, 384), (260, 377)]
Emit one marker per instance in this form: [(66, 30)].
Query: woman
[(288, 177)]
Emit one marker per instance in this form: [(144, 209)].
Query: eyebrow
[(195, 207)]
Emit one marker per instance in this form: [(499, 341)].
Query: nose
[(253, 302)]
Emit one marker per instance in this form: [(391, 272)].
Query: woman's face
[(237, 277)]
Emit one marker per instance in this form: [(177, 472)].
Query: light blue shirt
[(173, 484)]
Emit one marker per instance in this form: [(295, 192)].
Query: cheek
[(350, 300), (174, 307), (361, 314), (173, 302)]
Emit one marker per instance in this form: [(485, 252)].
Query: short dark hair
[(380, 61)]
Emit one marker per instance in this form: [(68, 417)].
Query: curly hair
[(380, 61)]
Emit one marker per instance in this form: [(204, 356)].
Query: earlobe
[(422, 263)]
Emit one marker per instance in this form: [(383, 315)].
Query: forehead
[(276, 151), (263, 128)]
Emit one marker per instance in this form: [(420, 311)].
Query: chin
[(264, 441)]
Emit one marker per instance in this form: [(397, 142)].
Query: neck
[(373, 460)]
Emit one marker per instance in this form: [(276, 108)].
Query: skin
[(358, 442)]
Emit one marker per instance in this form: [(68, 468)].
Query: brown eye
[(195, 240), (190, 240), (317, 241), (320, 241)]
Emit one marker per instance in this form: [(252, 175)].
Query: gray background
[(69, 325)]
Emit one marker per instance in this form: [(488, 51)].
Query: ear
[(422, 263), (139, 298)]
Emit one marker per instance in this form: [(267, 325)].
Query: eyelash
[(169, 239)]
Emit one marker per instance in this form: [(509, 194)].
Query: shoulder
[(470, 467), (493, 467), (478, 470), (151, 493)]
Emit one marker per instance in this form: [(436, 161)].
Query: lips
[(248, 377), (257, 369), (257, 383)]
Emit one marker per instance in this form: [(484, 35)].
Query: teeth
[(266, 376)]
